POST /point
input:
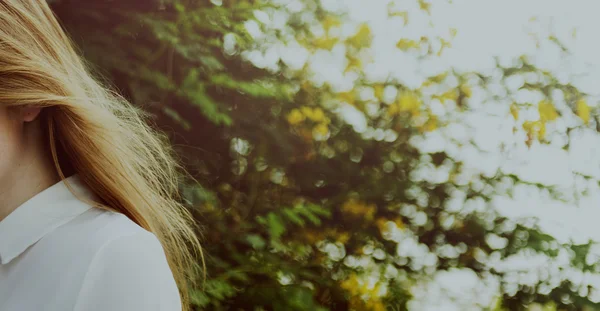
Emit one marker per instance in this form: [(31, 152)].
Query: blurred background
[(373, 154)]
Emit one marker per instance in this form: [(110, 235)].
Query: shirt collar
[(40, 215)]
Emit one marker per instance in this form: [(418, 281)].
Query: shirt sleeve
[(130, 273)]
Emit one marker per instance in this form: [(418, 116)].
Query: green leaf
[(199, 298), (319, 210), (219, 289), (177, 118), (194, 90), (257, 88), (275, 226), (292, 215), (236, 275), (256, 241)]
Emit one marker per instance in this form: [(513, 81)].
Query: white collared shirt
[(58, 253)]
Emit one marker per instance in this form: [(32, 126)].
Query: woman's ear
[(29, 114)]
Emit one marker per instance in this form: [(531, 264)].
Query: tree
[(316, 195)]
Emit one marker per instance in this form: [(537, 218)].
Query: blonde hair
[(94, 132)]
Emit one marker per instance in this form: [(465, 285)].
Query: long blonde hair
[(94, 132)]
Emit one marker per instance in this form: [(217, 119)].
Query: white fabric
[(58, 253)]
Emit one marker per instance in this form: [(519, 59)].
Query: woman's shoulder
[(108, 237), (127, 264), (111, 233), (101, 227), (107, 260), (99, 237), (97, 229), (117, 238)]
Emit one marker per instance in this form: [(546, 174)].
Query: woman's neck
[(31, 174)]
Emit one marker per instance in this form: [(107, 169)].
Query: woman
[(89, 218)]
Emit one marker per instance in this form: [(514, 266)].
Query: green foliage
[(291, 194)]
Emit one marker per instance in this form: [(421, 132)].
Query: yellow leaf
[(465, 89), (449, 95), (307, 86), (399, 223), (425, 6), (347, 97), (318, 115), (393, 110), (445, 44), (313, 236), (430, 125), (364, 288), (542, 131), (359, 209), (326, 43), (535, 129), (547, 111), (351, 283), (496, 304), (362, 38), (378, 89), (343, 237), (381, 224), (514, 110), (315, 115), (403, 14), (321, 130), (435, 79), (354, 63), (409, 101), (306, 111), (295, 117), (453, 32), (330, 22), (406, 44), (583, 111), (378, 306)]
